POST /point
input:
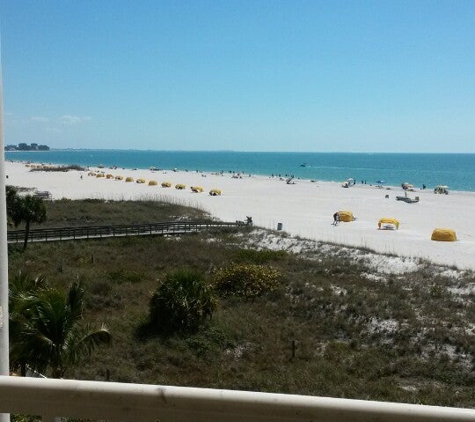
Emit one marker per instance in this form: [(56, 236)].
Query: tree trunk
[(27, 233)]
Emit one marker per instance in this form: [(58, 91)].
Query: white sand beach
[(304, 209)]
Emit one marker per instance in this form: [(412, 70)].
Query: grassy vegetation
[(408, 338), (60, 168)]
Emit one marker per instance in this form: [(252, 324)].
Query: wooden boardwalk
[(98, 232)]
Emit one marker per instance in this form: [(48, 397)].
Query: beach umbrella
[(152, 183), (443, 189), (197, 189), (180, 186), (444, 235), (346, 216), (388, 223), (215, 192), (129, 179)]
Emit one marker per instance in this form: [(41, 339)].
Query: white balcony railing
[(136, 402)]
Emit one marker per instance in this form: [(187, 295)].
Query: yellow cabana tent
[(180, 186), (346, 216), (109, 176), (100, 175), (444, 235), (197, 189), (140, 180), (152, 183), (215, 192), (129, 179), (119, 177), (166, 185), (388, 223)]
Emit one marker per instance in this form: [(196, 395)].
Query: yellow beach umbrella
[(166, 185), (152, 183), (215, 192), (444, 235), (129, 179), (388, 223), (346, 216), (197, 189)]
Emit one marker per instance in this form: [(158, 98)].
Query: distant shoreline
[(254, 152)]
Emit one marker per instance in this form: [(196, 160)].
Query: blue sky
[(256, 75)]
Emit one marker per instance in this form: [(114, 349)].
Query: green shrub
[(182, 302), (246, 280), (25, 418)]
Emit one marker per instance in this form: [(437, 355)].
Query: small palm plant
[(182, 302), (48, 330), (22, 290)]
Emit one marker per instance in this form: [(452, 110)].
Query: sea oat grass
[(333, 325)]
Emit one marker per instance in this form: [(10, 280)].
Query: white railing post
[(4, 345)]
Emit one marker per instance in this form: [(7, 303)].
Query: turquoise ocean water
[(455, 170)]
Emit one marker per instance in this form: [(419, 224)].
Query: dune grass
[(326, 330)]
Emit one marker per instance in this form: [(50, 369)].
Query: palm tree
[(21, 298), (11, 196), (49, 333), (26, 209)]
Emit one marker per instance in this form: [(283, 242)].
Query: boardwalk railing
[(149, 403), (94, 232)]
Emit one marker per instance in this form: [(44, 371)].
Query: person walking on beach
[(336, 219)]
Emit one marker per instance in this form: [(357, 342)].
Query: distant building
[(25, 147)]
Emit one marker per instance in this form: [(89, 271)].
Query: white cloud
[(39, 119), (73, 120)]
